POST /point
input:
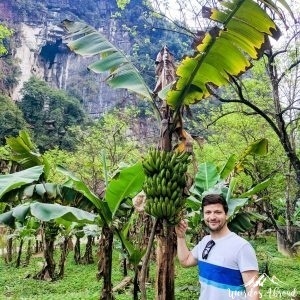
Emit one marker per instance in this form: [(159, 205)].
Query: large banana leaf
[(257, 188), (244, 221), (46, 212), (235, 204), (127, 183), (25, 152), (86, 41), (17, 180), (78, 185), (222, 53), (228, 166), (206, 177)]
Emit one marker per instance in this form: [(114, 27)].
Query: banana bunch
[(164, 184)]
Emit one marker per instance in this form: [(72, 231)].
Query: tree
[(125, 184), (279, 110), (5, 32), (50, 113), (10, 72), (216, 61), (11, 119)]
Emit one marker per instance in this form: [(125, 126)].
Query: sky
[(171, 8), (190, 12)]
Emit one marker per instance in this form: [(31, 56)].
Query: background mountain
[(37, 49)]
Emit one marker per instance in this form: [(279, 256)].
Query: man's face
[(214, 217)]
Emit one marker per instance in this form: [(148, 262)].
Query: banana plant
[(213, 180), (27, 184), (25, 232), (28, 193), (45, 212), (126, 183)]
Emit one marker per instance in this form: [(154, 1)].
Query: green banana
[(164, 184)]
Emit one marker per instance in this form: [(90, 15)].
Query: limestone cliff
[(39, 50)]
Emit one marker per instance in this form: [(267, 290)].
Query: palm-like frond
[(25, 152), (222, 53), (87, 41)]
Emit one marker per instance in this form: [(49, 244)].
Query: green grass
[(285, 269), (80, 280)]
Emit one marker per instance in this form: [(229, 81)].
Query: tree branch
[(247, 103), (286, 46), (185, 29), (296, 63)]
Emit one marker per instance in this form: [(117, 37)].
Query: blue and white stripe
[(220, 277)]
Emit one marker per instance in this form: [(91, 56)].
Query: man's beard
[(216, 229)]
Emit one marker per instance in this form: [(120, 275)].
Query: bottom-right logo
[(277, 289)]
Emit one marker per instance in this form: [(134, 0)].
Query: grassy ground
[(80, 281)]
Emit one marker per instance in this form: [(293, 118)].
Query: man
[(227, 263)]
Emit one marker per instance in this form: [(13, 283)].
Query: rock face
[(39, 49)]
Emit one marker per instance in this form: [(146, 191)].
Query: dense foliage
[(11, 119), (50, 113), (9, 75), (5, 32)]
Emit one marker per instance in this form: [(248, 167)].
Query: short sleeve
[(247, 260), (195, 251)]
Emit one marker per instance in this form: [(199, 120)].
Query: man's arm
[(250, 282), (184, 255)]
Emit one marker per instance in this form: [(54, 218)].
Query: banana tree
[(211, 179), (125, 184), (29, 190), (28, 193), (25, 184), (20, 183), (25, 232), (220, 54)]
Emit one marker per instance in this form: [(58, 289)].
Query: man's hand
[(181, 228), (185, 256)]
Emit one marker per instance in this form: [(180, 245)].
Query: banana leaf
[(46, 212), (257, 188), (127, 183), (222, 52), (228, 166), (87, 41), (25, 152), (78, 185), (17, 180), (206, 177)]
